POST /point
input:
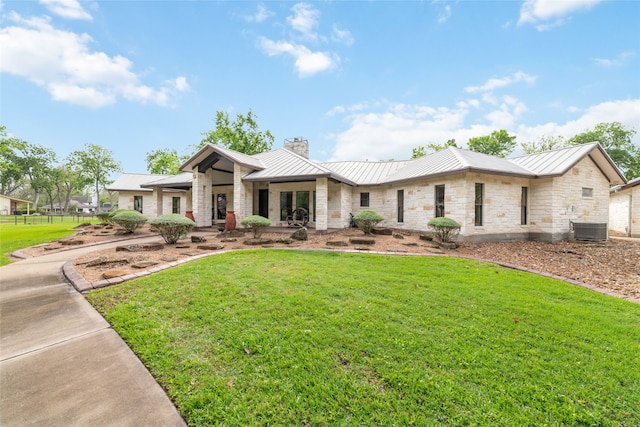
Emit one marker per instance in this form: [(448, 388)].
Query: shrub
[(112, 213), (104, 217), (367, 219), (446, 229), (256, 223), (172, 227), (129, 220)]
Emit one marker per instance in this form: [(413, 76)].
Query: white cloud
[(342, 36), (617, 61), (381, 131), (304, 20), (63, 63), (69, 9), (307, 62), (546, 14), (261, 15), (496, 83)]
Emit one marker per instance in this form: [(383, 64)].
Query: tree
[(617, 142), (421, 150), (545, 143), (36, 163), (499, 143), (94, 163), (11, 174), (164, 161), (242, 135)]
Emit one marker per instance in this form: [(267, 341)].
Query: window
[(479, 198), (221, 206), (286, 204), (302, 200), (439, 200), (400, 205), (175, 205), (587, 193), (137, 203), (524, 202), (364, 200)]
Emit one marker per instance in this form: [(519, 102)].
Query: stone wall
[(624, 211), (125, 201)]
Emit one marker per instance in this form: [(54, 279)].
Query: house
[(624, 208), (530, 197), (11, 206), (82, 204)]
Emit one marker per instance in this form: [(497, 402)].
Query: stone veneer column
[(201, 198), (157, 198), (242, 193), (322, 197)]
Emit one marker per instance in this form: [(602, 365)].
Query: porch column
[(201, 198), (157, 201), (242, 193), (322, 203)]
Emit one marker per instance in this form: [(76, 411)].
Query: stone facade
[(152, 199), (624, 211)]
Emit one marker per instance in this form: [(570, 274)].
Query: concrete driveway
[(61, 364)]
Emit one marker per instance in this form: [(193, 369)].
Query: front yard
[(273, 337)]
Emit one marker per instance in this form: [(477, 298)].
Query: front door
[(263, 203)]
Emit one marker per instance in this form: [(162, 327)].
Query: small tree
[(367, 219), (446, 229), (129, 220), (256, 223), (172, 227)]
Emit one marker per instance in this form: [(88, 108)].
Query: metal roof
[(284, 165), (182, 181), (134, 181), (210, 154), (365, 173), (558, 162)]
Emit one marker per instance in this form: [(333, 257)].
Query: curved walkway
[(61, 364)]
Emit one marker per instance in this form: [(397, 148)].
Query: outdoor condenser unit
[(590, 231)]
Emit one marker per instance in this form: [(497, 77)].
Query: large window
[(221, 206), (364, 200), (302, 200), (439, 202), (524, 205), (286, 204), (137, 203), (175, 205), (400, 205), (479, 200)]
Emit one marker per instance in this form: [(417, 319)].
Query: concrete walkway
[(61, 364)]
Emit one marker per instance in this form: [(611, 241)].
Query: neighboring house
[(529, 197), (81, 203), (11, 205), (153, 201), (624, 208)]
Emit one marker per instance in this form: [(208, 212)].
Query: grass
[(18, 236), (277, 337)]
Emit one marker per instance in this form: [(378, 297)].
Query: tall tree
[(545, 143), (11, 173), (95, 163), (499, 143), (36, 163), (617, 142), (164, 161), (240, 135), (421, 150)]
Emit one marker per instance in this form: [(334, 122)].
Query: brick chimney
[(298, 145)]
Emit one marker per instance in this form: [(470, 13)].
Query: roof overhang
[(223, 158)]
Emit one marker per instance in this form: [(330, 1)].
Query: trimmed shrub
[(104, 217), (172, 227), (256, 223), (129, 220), (446, 229), (367, 219)]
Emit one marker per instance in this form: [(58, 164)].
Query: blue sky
[(360, 80)]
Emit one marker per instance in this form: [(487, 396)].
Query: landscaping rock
[(362, 248), (426, 237), (169, 258), (362, 241), (231, 233), (229, 239), (210, 247), (448, 245), (410, 244), (71, 242), (284, 241), (144, 264), (435, 250), (397, 250), (258, 242), (113, 273), (198, 239), (337, 243), (398, 236), (182, 246), (155, 246), (382, 231), (300, 234)]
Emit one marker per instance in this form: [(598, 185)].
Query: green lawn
[(18, 236), (277, 337)]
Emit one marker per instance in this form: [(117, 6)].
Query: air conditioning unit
[(590, 231)]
